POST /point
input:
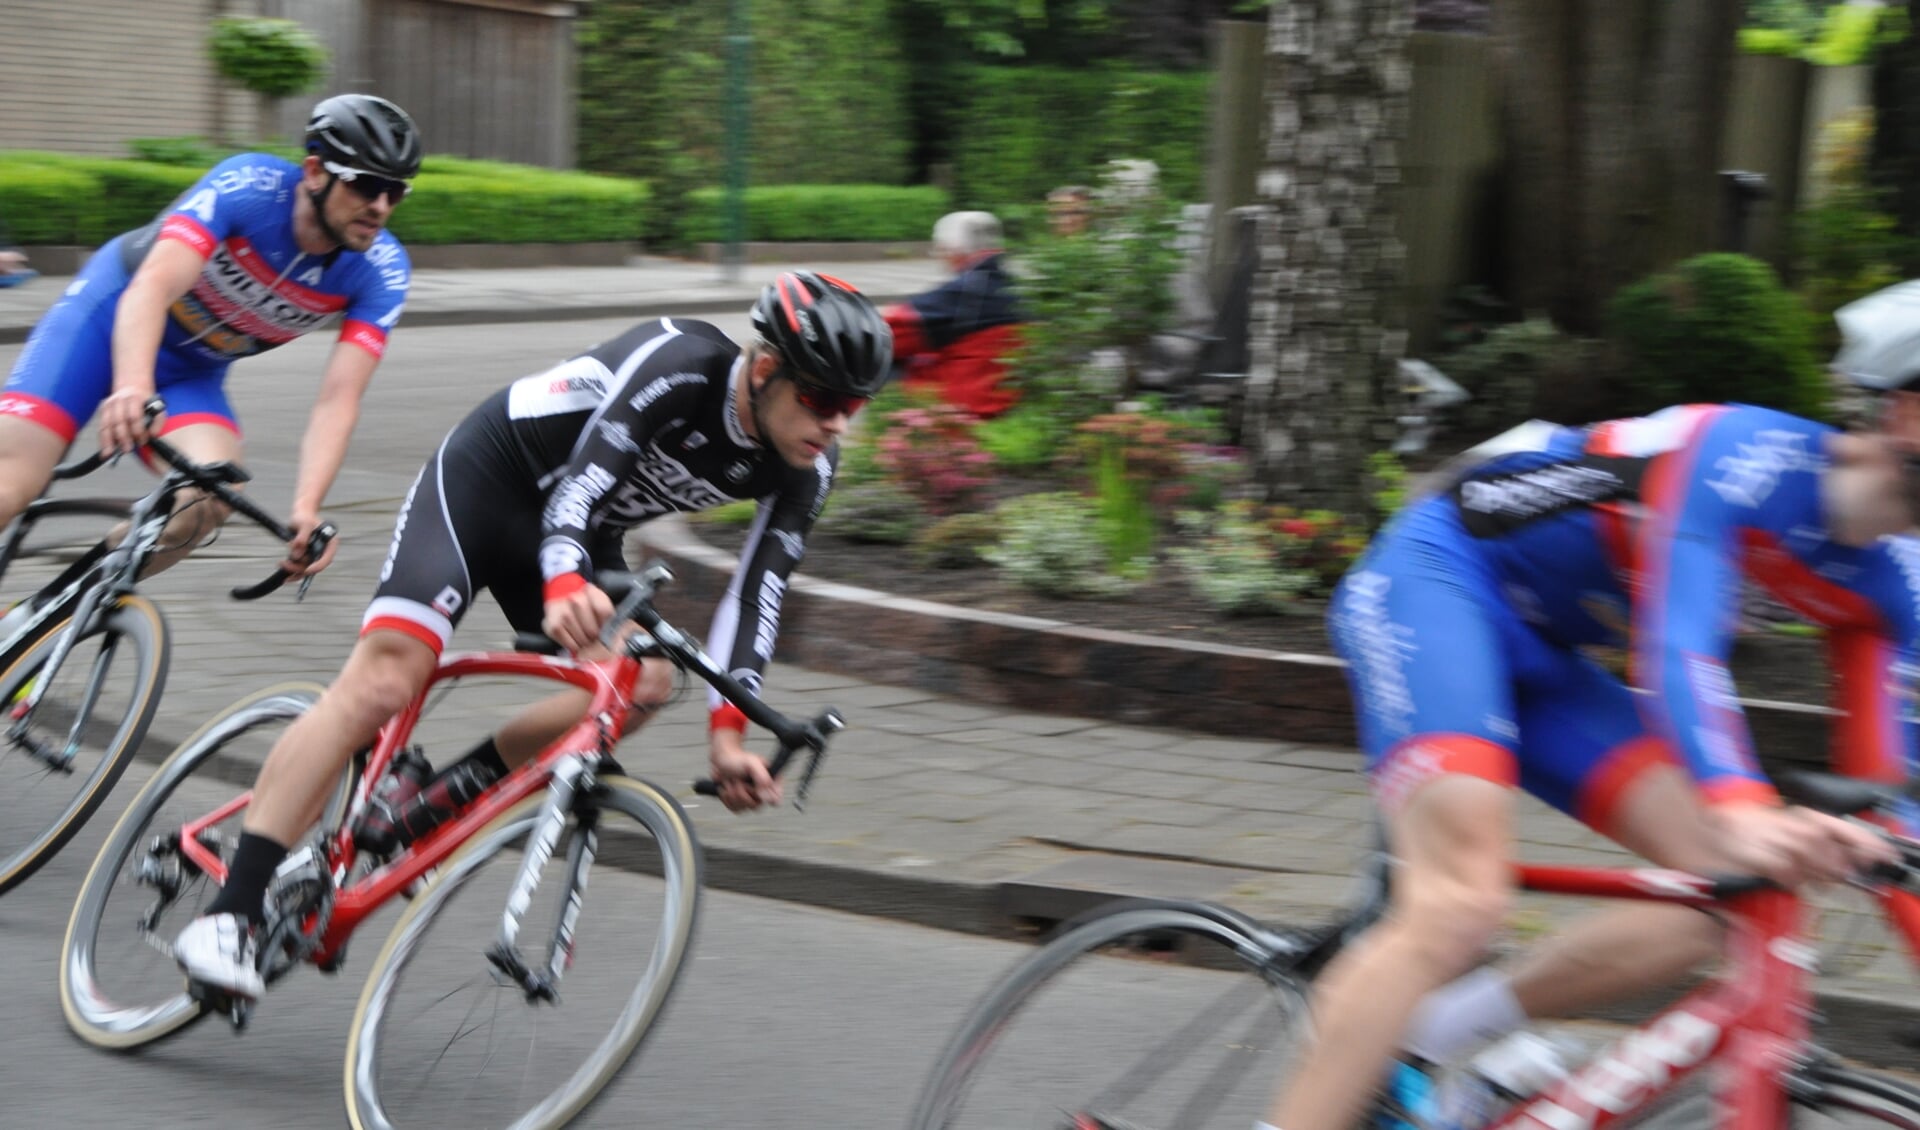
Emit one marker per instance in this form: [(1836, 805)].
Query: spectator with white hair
[(955, 338)]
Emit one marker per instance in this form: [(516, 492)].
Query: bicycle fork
[(21, 712), (570, 779)]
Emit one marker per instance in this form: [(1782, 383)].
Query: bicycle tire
[(1878, 1097), (681, 869), (133, 620), (91, 1011), (1253, 948)]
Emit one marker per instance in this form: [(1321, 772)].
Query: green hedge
[(810, 212), (56, 198), (1027, 130)]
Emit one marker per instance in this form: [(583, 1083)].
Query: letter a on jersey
[(201, 205)]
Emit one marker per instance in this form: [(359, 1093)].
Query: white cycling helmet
[(1880, 339)]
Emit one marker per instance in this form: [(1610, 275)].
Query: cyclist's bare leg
[(1613, 955), (1636, 947), (28, 455), (196, 517), (1453, 838), (384, 673), (536, 727)]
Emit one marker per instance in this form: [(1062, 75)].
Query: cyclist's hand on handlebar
[(741, 774), (574, 621), (123, 419), (296, 562), (1797, 845)]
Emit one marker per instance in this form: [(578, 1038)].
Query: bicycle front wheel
[(1146, 1014), (1860, 1094), (60, 757), (442, 1038)]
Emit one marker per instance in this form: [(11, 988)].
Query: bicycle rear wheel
[(119, 986), (1155, 1015), (59, 761), (1864, 1093), (442, 1039)]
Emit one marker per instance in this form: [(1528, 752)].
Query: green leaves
[(276, 58)]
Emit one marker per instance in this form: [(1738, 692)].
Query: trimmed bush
[(1718, 327), (818, 212), (56, 198), (1028, 130)]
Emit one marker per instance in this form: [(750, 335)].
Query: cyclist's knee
[(655, 685), (28, 454), (1446, 925), (195, 519), (386, 670)]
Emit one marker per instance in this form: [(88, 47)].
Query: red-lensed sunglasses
[(825, 402), (369, 186)]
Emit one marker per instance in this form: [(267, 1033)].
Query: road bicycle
[(415, 1053), (1746, 1030), (84, 660)]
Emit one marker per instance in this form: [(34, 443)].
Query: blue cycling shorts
[(1448, 678), (66, 369)]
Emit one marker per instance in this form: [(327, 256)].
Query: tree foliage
[(275, 58)]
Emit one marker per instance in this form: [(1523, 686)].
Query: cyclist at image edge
[(1462, 626), (258, 252), (527, 498)]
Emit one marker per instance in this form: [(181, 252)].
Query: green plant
[(1389, 483), (1318, 546), (817, 212), (1048, 544), (1230, 560), (1025, 438), (738, 514), (1125, 522), (195, 151), (956, 541), (271, 57), (1717, 327), (1825, 34), (1507, 371), (1845, 244), (875, 512), (1104, 290)]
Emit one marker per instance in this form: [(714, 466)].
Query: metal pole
[(734, 257)]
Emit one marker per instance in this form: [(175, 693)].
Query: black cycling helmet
[(827, 330), (367, 133)]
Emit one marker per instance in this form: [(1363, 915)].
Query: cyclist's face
[(798, 433), (351, 212)]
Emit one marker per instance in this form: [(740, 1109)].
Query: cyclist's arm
[(323, 448), (746, 624), (1684, 610), (141, 317)]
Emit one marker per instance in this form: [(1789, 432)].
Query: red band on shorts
[(727, 716), (562, 586), (45, 413), (1409, 765), (1739, 790), (189, 419), (420, 632), (1598, 800)]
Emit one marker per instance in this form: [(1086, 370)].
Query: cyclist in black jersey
[(527, 497)]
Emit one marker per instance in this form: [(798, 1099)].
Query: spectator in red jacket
[(955, 338)]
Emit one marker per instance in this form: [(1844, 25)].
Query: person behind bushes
[(955, 338)]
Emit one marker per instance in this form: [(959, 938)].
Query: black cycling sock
[(247, 878), (486, 756)]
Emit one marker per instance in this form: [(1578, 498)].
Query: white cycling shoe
[(217, 950)]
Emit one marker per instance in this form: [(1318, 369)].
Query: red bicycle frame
[(611, 683), (1753, 1020)]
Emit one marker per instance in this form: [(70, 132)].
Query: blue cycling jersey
[(257, 290), (1632, 531)]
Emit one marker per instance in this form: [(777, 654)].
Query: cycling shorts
[(1448, 677), (66, 369), (469, 522)]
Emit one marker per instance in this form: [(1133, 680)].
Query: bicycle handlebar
[(634, 594)]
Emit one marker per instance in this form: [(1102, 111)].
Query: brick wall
[(85, 77)]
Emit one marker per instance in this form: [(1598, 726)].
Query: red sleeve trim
[(564, 585), (1740, 790), (727, 716), (185, 229), (366, 335)]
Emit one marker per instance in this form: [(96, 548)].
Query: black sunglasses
[(369, 186), (824, 402)]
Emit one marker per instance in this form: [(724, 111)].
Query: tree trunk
[(1327, 328), (1614, 115)]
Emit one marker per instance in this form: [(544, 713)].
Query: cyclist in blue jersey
[(258, 252), (1463, 627)]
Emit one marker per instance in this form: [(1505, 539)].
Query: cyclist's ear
[(761, 368)]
